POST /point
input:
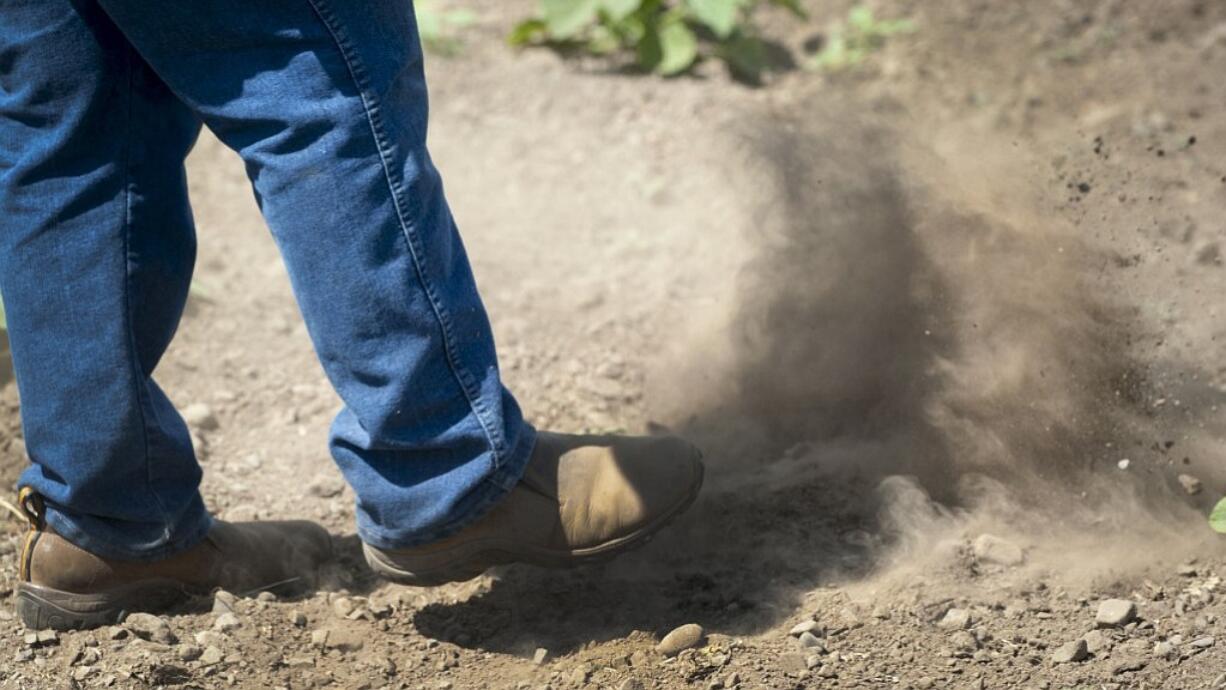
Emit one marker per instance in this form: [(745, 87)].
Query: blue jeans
[(325, 100)]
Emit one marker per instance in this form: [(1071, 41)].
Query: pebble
[(1202, 643), (224, 602), (343, 606), (211, 655), (200, 416), (1164, 649), (955, 619), (540, 655), (1115, 613), (150, 627), (811, 627), (227, 622), (1191, 485), (810, 641), (297, 618), (190, 652), (989, 548), (964, 642), (1071, 652), (682, 638), (1097, 641)]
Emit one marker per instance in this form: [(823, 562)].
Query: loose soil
[(970, 288)]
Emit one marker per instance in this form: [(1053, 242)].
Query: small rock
[(189, 652), (266, 597), (793, 664), (811, 627), (343, 606), (955, 619), (206, 638), (540, 655), (813, 661), (200, 416), (964, 642), (580, 674), (1097, 641), (631, 684), (1164, 649), (989, 548), (1186, 570), (344, 640), (297, 618), (1071, 652), (1202, 643), (1127, 666), (1124, 464), (681, 638), (810, 641), (150, 627), (224, 602), (1191, 485), (211, 656), (227, 622), (1115, 613), (319, 638)]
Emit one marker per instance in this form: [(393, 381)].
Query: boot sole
[(43, 608), (469, 565)]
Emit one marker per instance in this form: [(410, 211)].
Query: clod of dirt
[(149, 627), (682, 638), (1115, 613), (1071, 652), (1190, 484), (989, 548)]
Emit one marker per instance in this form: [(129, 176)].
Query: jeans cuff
[(480, 501), (188, 533)]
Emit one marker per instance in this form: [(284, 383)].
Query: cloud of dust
[(915, 314)]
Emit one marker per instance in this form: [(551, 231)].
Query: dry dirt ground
[(971, 288)]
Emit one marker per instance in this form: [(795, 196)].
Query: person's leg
[(96, 254), (325, 101)]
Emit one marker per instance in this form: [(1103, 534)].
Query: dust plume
[(916, 316)]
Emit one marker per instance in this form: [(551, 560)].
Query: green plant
[(665, 36), (852, 41), (439, 27), (1217, 519)]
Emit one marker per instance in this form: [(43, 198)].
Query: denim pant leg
[(96, 254), (325, 101)]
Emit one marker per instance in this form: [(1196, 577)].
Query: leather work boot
[(582, 499), (64, 587)]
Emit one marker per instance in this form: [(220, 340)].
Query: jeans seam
[(130, 327), (371, 109)]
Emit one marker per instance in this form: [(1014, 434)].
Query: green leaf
[(861, 18), (648, 52), (618, 10), (718, 15), (678, 48), (792, 6), (566, 18), (745, 57), (527, 32), (1217, 519)]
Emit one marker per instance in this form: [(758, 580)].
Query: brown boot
[(64, 587), (582, 499)]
